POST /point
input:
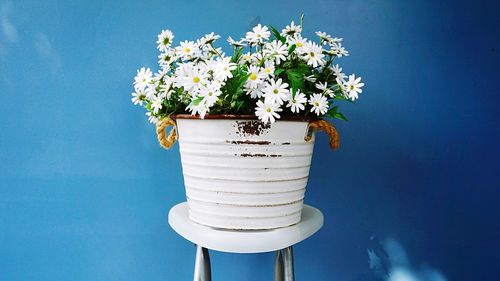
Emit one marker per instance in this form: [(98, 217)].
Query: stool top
[(244, 241)]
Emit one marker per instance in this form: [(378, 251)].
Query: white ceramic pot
[(243, 174)]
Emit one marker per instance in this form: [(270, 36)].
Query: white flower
[(299, 43), (325, 38), (187, 49), (297, 103), (256, 77), (325, 90), (339, 51), (201, 109), (195, 77), (247, 57), (156, 104), (167, 58), (138, 97), (165, 39), (319, 104), (267, 112), (276, 92), (151, 118), (235, 43), (222, 69), (310, 78), (291, 30), (258, 34), (255, 92), (337, 70), (353, 87), (276, 50), (143, 79), (268, 68), (208, 39), (313, 54), (210, 93)]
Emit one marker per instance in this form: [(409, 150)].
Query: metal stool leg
[(207, 271), (202, 271), (278, 266), (288, 264)]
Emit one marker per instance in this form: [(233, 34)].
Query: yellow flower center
[(196, 79), (210, 94), (267, 70), (187, 50), (253, 76), (299, 44), (225, 68), (258, 35), (351, 87), (311, 54), (316, 103), (276, 91), (268, 109)]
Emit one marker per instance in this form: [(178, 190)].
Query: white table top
[(244, 241)]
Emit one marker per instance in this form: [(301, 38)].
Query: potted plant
[(245, 122)]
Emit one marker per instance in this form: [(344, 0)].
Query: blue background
[(85, 188)]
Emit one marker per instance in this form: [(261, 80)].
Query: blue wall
[(414, 190)]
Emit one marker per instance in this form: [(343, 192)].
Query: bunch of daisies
[(270, 74)]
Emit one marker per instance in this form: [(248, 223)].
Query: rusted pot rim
[(240, 117)]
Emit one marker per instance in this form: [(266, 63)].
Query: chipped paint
[(251, 127)]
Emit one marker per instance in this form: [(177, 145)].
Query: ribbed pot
[(243, 174)]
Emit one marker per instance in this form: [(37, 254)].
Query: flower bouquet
[(245, 121)]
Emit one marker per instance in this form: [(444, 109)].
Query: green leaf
[(277, 34), (340, 116), (291, 49), (237, 55), (278, 71), (197, 101)]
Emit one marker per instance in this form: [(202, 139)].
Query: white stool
[(280, 240)]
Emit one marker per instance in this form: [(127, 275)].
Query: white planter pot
[(243, 174)]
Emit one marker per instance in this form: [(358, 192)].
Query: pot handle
[(166, 141), (328, 128)]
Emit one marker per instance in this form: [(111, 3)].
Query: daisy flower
[(196, 77), (151, 118), (339, 51), (256, 77), (165, 39), (299, 43), (258, 34), (325, 38), (319, 104), (208, 39), (291, 30), (246, 57), (353, 87), (324, 88), (200, 109), (276, 50), (313, 54), (187, 49), (297, 103), (337, 71), (210, 93), (255, 93), (222, 68), (143, 78), (236, 44), (268, 68), (138, 98), (267, 112), (276, 92), (156, 104)]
